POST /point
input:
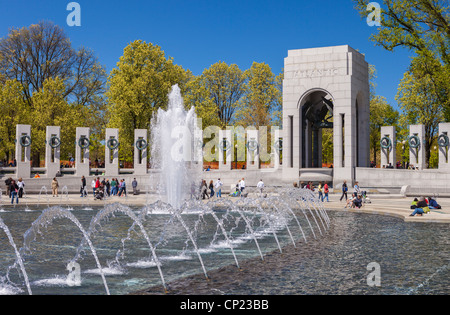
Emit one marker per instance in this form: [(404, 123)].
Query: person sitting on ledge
[(414, 204), (432, 204), (357, 202), (350, 201), (419, 210)]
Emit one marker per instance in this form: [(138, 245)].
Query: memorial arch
[(316, 109), (325, 88)]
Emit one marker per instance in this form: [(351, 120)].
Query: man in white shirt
[(218, 187), (260, 186), (242, 186)]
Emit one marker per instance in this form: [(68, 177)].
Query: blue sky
[(199, 33)]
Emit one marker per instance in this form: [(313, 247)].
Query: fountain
[(174, 149), (177, 235)]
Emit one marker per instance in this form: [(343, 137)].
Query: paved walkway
[(380, 204), (396, 206)]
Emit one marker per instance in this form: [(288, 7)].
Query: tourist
[(326, 190), (8, 186), (117, 186), (242, 187), (211, 188), (419, 210), (134, 184), (122, 188), (93, 186), (357, 189), (204, 189), (108, 188), (113, 186), (432, 204), (21, 185), (55, 186), (349, 203), (357, 202), (344, 190), (260, 187), (83, 187), (320, 189), (219, 185), (14, 189), (97, 183), (414, 203)]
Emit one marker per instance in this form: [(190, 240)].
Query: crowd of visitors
[(423, 206), (106, 188)]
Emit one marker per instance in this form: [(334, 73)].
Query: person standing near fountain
[(211, 188), (14, 189), (55, 186), (134, 185), (260, 187), (204, 189), (344, 191), (242, 186), (21, 185), (8, 185), (219, 185), (93, 186), (83, 187), (325, 191)]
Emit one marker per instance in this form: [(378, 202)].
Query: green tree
[(198, 96), (137, 88), (225, 85), (33, 54), (422, 26), (52, 109), (419, 100), (381, 114), (260, 98), (12, 110), (41, 56)]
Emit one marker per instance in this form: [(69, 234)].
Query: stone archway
[(314, 78), (316, 109)]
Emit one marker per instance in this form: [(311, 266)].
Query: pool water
[(413, 257)]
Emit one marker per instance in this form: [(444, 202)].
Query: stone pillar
[(338, 141), (82, 167), (320, 148), (252, 147), (225, 160), (444, 135), (277, 147), (198, 145), (388, 155), (140, 151), (417, 155), (52, 150), (112, 155), (23, 151)]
